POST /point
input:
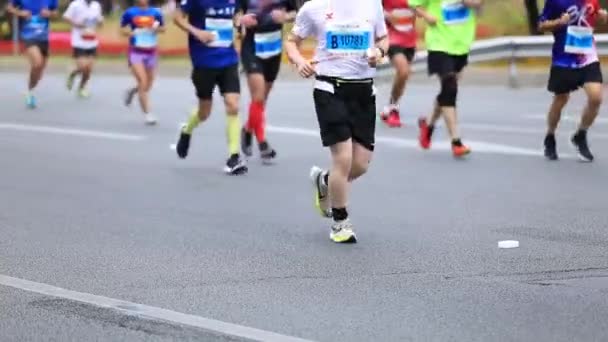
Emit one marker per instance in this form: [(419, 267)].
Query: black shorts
[(80, 52), (565, 80), (43, 46), (350, 112), (443, 64), (269, 67), (205, 80), (409, 53)]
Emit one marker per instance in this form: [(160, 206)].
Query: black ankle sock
[(339, 214), (456, 142), (431, 129)]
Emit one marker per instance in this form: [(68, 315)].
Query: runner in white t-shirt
[(351, 38), (85, 17)]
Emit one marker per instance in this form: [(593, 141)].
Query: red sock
[(257, 121)]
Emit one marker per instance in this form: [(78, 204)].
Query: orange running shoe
[(425, 134), (460, 150)]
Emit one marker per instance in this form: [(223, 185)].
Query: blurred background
[(499, 18)]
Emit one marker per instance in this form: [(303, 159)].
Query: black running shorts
[(43, 46), (269, 67), (565, 80), (80, 52), (205, 80), (350, 112), (409, 53), (442, 64)]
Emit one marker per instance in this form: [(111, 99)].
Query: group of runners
[(352, 37)]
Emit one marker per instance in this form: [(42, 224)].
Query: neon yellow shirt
[(455, 29)]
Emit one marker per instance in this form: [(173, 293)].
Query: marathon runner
[(84, 16), (261, 52), (210, 27), (142, 24), (449, 35), (34, 19), (351, 39), (575, 65), (401, 24)]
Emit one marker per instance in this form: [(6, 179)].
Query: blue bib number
[(223, 30), (145, 39), (36, 28), (348, 41), (268, 45), (579, 40), (455, 13)]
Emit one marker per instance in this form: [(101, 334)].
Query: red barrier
[(60, 45)]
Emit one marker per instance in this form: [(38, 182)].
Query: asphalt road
[(93, 201)]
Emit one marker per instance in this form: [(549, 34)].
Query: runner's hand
[(249, 20), (204, 36), (279, 16), (305, 69), (430, 20), (45, 13), (25, 14), (603, 14), (564, 19), (373, 57)]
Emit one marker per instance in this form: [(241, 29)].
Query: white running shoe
[(321, 192), (150, 119), (342, 232)]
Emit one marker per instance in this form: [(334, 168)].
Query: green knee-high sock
[(192, 123), (233, 130)]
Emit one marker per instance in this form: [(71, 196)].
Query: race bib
[(454, 12), (405, 19), (579, 40), (348, 40), (35, 27), (223, 31), (268, 44), (88, 33), (145, 39)]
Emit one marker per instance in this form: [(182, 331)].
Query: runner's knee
[(449, 91)]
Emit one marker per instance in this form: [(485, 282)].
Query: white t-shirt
[(352, 26), (81, 12)]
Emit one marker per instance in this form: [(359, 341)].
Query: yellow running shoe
[(84, 94), (342, 232), (320, 192)]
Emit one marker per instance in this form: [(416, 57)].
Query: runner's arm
[(53, 11), (302, 29), (180, 19), (422, 13), (14, 8), (292, 47), (125, 27), (161, 21), (68, 16), (476, 4), (552, 25), (381, 32)]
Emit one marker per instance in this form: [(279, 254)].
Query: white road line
[(521, 130), (149, 312), (70, 131), (565, 117), (476, 146)]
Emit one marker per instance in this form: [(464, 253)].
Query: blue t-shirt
[(36, 28), (215, 16), (574, 45), (141, 21)]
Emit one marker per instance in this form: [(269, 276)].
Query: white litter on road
[(508, 244)]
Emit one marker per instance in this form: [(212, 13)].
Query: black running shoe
[(246, 142), (579, 140), (550, 147), (183, 144), (235, 165), (129, 95), (267, 153)]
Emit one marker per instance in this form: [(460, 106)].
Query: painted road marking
[(476, 146), (149, 312), (71, 131), (519, 130), (565, 117)]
